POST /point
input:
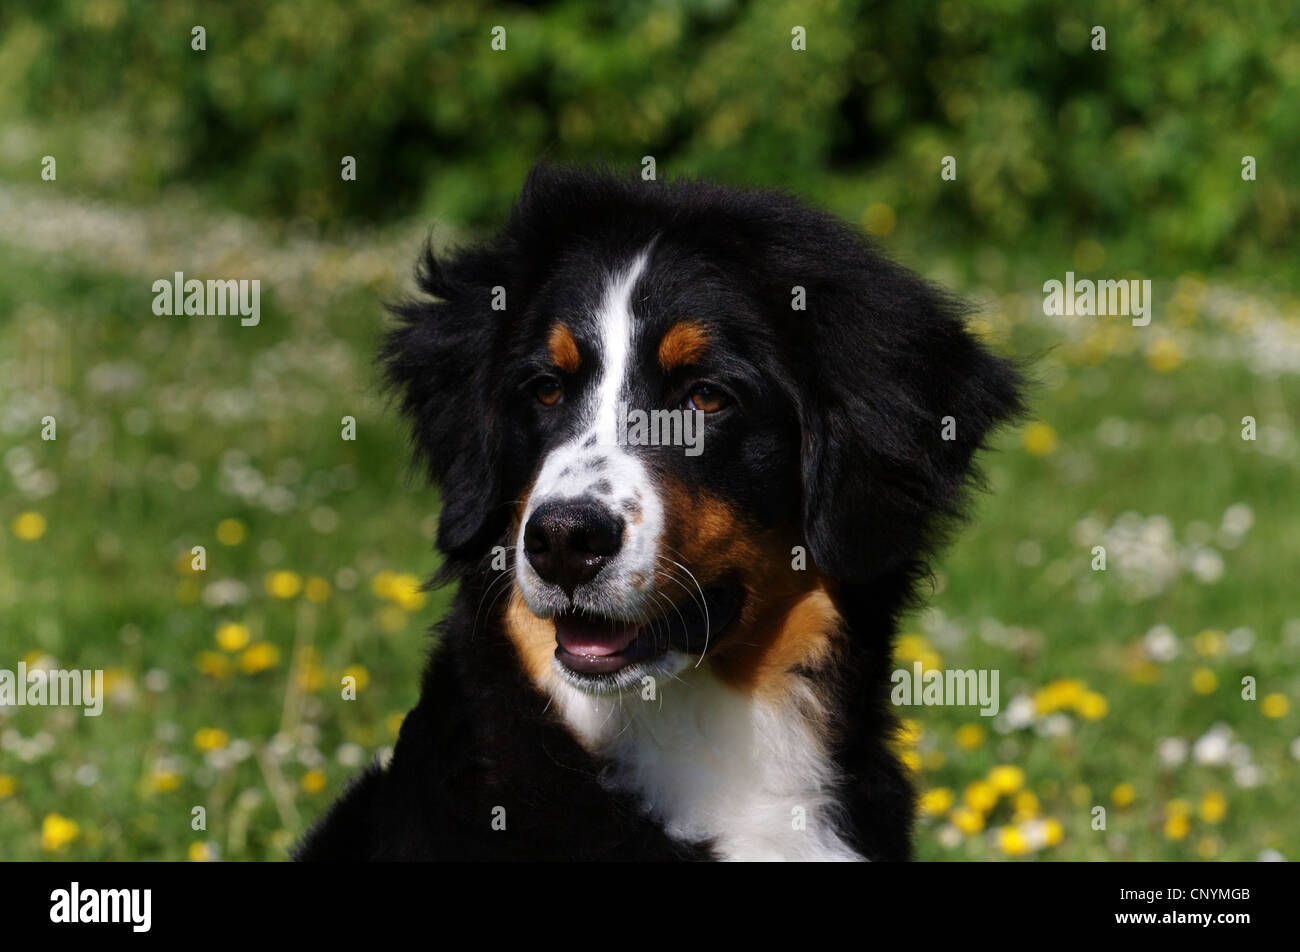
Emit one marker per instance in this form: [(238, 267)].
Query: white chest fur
[(709, 762)]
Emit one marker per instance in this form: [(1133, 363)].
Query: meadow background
[(1120, 689)]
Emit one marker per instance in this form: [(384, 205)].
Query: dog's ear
[(897, 396), (444, 359), (439, 359)]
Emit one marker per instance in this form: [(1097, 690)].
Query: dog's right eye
[(549, 391)]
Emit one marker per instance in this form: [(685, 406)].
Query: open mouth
[(596, 645)]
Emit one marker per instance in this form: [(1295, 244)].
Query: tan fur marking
[(683, 344), (564, 349), (789, 617), (789, 636), (533, 637)]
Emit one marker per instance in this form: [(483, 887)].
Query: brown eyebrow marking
[(683, 344), (564, 349)]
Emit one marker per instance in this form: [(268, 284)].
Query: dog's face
[(690, 416), (665, 446)]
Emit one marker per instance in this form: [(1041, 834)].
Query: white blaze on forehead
[(593, 465), (617, 327)]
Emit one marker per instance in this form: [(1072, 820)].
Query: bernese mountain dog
[(695, 445)]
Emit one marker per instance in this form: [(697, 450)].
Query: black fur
[(837, 432)]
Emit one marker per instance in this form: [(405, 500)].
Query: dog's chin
[(602, 654)]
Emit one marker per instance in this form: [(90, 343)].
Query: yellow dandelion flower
[(1123, 795), (981, 796), (29, 526), (382, 584), (210, 738), (1039, 439), (1164, 355), (913, 647), (215, 665), (317, 589), (910, 645), (1209, 643), (259, 657), (1006, 779), (358, 672), (879, 219), (910, 732), (1092, 706), (930, 661), (406, 592), (313, 781), (936, 801), (1011, 841), (115, 679), (1176, 827), (57, 831), (1026, 804), (232, 636), (7, 786), (967, 820), (1054, 830), (1178, 807), (1275, 706), (311, 676), (911, 760), (283, 583), (231, 532), (1204, 681), (1214, 807), (162, 781), (970, 736), (1059, 694), (202, 852)]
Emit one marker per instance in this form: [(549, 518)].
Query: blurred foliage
[(1140, 143)]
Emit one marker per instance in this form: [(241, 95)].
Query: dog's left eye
[(549, 391), (707, 399)]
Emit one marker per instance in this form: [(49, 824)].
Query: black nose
[(568, 542)]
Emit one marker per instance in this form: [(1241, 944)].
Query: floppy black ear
[(444, 357), (898, 398), (439, 359)]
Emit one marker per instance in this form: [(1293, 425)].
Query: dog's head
[(683, 411)]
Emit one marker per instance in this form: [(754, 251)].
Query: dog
[(661, 651)]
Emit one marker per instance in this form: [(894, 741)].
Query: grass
[(225, 685)]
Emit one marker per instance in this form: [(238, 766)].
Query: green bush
[(1143, 141)]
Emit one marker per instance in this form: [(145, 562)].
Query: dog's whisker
[(707, 622)]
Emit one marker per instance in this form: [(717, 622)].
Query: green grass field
[(1120, 689)]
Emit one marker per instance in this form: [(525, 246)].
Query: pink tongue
[(595, 637)]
